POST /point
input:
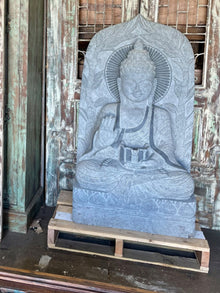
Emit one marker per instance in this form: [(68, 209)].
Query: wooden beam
[(62, 34), (130, 8), (49, 283), (119, 243), (2, 103)]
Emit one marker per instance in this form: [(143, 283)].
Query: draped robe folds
[(159, 175)]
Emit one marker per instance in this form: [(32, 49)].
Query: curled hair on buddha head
[(138, 61)]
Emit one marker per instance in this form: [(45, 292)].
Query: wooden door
[(23, 187), (70, 28), (2, 104)]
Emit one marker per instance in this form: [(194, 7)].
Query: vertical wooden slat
[(43, 96), (61, 83), (130, 8), (206, 144), (34, 99), (25, 41), (17, 102), (149, 9), (119, 244), (53, 96), (51, 237), (2, 92)]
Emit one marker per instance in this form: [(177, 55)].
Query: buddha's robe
[(141, 161)]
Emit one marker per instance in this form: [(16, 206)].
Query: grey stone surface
[(158, 216), (135, 128)]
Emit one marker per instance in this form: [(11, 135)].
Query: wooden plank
[(53, 99), (35, 281), (62, 34), (130, 8), (65, 198), (119, 247), (85, 246), (203, 258), (135, 236), (145, 257), (206, 150), (153, 239), (17, 103), (2, 103), (34, 99), (149, 9), (52, 236), (180, 249), (25, 48), (64, 209)]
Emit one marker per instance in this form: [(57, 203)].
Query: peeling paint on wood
[(130, 8), (2, 104), (61, 87), (206, 148), (25, 43), (17, 102)]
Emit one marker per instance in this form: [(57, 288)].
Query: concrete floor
[(26, 251)]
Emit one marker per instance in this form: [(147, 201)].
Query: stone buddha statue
[(132, 151), (135, 131)]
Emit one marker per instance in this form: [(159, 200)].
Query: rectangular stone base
[(156, 216)]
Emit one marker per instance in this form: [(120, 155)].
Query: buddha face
[(136, 87)]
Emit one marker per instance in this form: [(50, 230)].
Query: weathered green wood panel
[(2, 103), (25, 66), (17, 103), (34, 96)]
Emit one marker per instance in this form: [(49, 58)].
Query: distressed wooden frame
[(23, 189), (62, 23), (2, 103)]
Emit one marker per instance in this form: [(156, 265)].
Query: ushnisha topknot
[(138, 61)]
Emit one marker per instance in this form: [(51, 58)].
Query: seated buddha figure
[(133, 147)]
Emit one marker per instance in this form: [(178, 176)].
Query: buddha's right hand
[(106, 134)]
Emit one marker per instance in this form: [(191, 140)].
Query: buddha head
[(137, 80)]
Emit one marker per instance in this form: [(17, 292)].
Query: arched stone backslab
[(173, 58)]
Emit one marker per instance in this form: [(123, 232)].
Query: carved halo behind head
[(163, 71)]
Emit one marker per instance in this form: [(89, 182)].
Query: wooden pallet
[(176, 252)]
